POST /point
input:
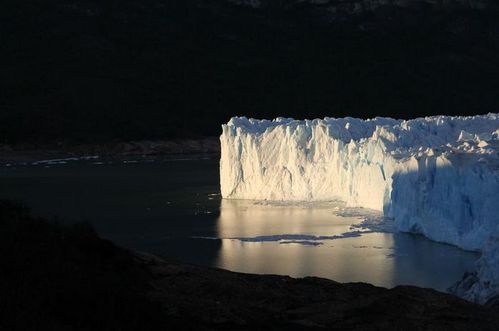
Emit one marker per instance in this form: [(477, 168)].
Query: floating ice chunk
[(55, 161), (465, 136), (89, 157), (302, 237), (302, 242)]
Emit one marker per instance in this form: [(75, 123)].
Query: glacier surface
[(438, 176)]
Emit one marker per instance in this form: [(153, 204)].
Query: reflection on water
[(343, 260), (167, 207), (245, 218), (379, 258)]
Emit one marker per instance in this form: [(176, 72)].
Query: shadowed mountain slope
[(97, 71)]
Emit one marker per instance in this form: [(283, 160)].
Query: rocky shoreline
[(229, 300)]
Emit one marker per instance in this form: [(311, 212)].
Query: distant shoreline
[(32, 153)]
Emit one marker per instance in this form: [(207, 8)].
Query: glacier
[(438, 176)]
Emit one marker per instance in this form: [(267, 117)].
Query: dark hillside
[(54, 277), (107, 70)]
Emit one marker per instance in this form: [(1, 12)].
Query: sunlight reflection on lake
[(246, 218), (263, 246)]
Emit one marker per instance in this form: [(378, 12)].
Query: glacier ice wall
[(438, 176)]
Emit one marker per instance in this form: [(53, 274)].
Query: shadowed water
[(172, 207)]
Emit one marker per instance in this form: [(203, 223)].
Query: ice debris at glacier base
[(438, 175)]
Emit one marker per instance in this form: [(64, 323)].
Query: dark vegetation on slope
[(88, 71), (57, 277)]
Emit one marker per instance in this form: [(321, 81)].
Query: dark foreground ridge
[(58, 277)]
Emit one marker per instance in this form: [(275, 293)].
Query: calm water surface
[(172, 207)]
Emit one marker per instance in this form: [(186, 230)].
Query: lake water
[(172, 207)]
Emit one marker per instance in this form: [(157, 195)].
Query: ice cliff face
[(438, 176)]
